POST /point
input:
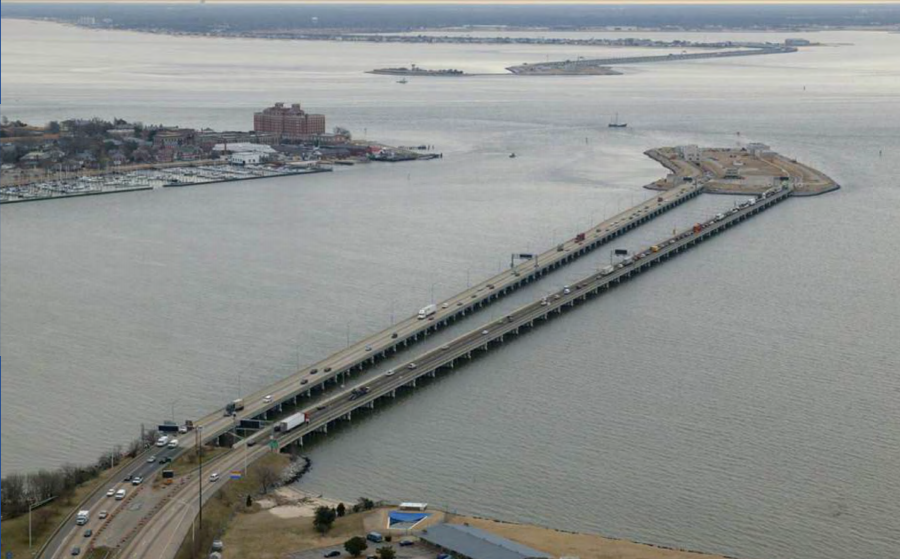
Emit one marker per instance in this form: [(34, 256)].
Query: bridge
[(655, 58), (163, 532), (366, 352)]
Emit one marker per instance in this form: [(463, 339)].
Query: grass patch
[(262, 535), (230, 502), (14, 532)]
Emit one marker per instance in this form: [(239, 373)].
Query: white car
[(111, 492), (213, 477), (268, 399), (389, 373), (137, 480), (445, 305), (103, 514), (151, 460), (484, 332)]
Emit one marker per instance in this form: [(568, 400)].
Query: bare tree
[(268, 476)]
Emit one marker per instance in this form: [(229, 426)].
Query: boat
[(512, 155), (616, 124), (403, 80)]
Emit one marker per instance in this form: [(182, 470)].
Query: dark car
[(88, 533), (127, 479), (332, 553), (394, 336), (76, 551), (328, 370), (320, 408), (314, 371), (304, 381)]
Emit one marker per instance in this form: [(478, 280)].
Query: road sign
[(237, 474), (273, 444)]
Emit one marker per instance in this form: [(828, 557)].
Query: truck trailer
[(291, 422)]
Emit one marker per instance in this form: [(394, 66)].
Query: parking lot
[(419, 550)]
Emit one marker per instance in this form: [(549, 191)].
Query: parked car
[(332, 553)]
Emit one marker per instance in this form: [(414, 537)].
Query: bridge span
[(162, 533), (366, 352)]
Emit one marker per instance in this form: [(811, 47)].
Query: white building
[(690, 153), (244, 147), (245, 158), (757, 149)]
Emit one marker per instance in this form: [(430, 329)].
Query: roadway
[(162, 535), (337, 366), (365, 352), (64, 540)]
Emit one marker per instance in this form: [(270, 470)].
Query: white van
[(162, 441), (173, 443), (120, 494)]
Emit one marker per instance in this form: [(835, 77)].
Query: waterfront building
[(288, 123)]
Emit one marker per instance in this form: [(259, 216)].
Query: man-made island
[(82, 157), (414, 70), (751, 169)]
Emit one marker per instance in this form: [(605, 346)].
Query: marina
[(149, 179)]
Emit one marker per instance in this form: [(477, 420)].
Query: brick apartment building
[(288, 123)]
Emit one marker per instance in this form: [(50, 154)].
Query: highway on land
[(408, 330), (163, 534), (62, 543)]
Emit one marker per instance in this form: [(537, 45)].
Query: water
[(741, 399)]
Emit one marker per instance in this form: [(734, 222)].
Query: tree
[(363, 503), (387, 552), (341, 510), (53, 127), (324, 519), (41, 519), (249, 501), (355, 546), (268, 476)]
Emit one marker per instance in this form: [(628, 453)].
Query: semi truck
[(607, 270), (427, 311), (291, 422), (234, 406)]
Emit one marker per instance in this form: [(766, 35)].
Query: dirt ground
[(583, 546)]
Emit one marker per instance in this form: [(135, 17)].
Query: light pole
[(432, 291), (173, 409)]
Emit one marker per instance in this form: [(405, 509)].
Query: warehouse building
[(467, 542)]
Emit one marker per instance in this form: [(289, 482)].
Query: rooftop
[(478, 544)]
